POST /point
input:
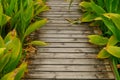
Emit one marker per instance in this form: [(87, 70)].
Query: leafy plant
[(104, 14), (18, 19)]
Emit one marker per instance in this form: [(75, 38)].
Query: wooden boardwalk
[(68, 55)]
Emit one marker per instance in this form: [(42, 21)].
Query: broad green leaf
[(100, 2), (115, 18), (10, 36), (16, 74), (98, 40), (115, 5), (103, 54), (98, 9), (2, 44), (86, 5), (35, 26), (111, 27), (2, 51), (1, 13), (41, 9), (38, 43), (112, 41), (15, 47), (114, 50), (88, 17), (115, 62), (22, 68), (4, 60), (5, 19), (108, 5)]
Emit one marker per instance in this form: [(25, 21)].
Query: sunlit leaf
[(112, 41), (113, 50), (103, 54), (35, 26), (38, 43), (98, 40)]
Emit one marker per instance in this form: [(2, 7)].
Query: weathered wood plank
[(69, 68), (61, 13), (64, 32), (73, 75), (64, 55), (68, 40), (63, 35), (68, 50), (69, 45), (65, 27), (69, 61)]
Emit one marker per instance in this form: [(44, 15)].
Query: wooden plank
[(61, 13), (68, 61), (64, 55), (69, 68), (70, 45), (68, 50), (63, 35), (65, 27), (73, 75), (68, 40), (64, 32), (58, 16)]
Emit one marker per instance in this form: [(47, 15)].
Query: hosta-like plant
[(18, 19), (104, 14), (23, 13)]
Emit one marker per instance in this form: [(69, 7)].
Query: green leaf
[(103, 54), (10, 36), (22, 68), (39, 43), (98, 9), (15, 47), (1, 42), (4, 60), (88, 17), (115, 18), (111, 27), (113, 50), (98, 40), (16, 74), (35, 26), (112, 41), (1, 13), (86, 5), (2, 51)]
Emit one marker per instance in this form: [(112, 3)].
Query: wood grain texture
[(68, 55)]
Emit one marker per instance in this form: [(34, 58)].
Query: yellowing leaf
[(1, 42), (2, 51), (39, 43), (112, 41), (35, 26), (98, 40), (114, 50), (103, 54), (115, 18), (88, 17), (16, 74)]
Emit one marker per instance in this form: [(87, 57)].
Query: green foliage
[(106, 15), (17, 21), (39, 43), (98, 40), (103, 54), (17, 73)]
